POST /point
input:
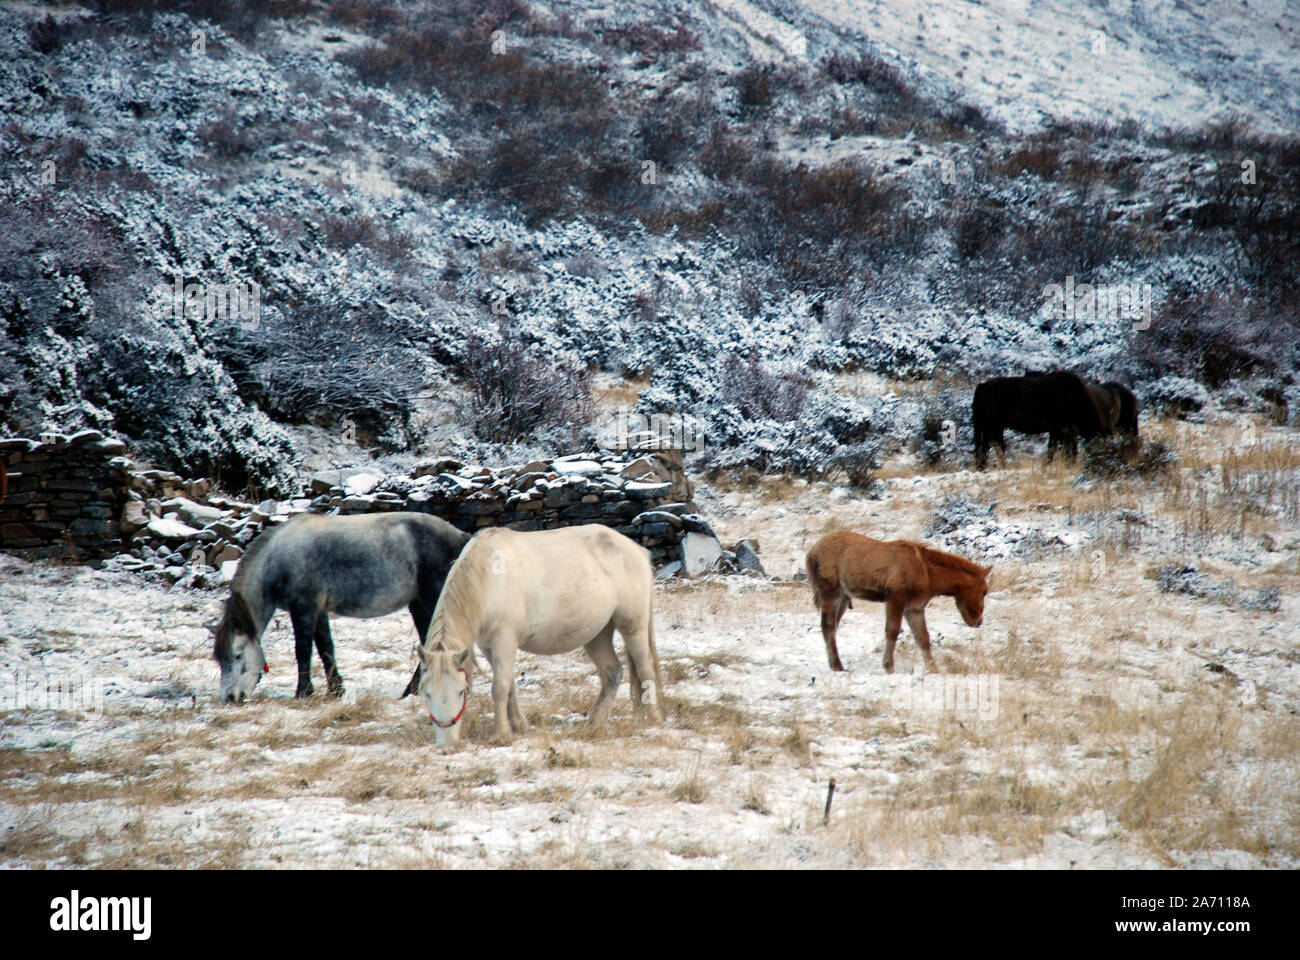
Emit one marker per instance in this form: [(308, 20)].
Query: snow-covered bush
[(1174, 396)]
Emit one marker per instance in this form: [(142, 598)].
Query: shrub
[(517, 392), (761, 394), (49, 35), (1124, 455), (346, 232), (1215, 337), (1041, 156), (1175, 396), (978, 229), (857, 463), (326, 363), (929, 441), (226, 137), (870, 71), (647, 38), (841, 320), (754, 86)]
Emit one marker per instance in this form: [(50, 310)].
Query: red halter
[(464, 700)]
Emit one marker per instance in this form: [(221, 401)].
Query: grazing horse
[(313, 565), (548, 591), (1057, 403), (903, 575)]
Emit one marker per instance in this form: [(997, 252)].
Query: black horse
[(313, 565), (1058, 403)]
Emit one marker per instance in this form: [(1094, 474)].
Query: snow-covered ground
[(1093, 721)]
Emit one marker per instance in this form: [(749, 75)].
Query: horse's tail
[(636, 683), (654, 658), (810, 564)]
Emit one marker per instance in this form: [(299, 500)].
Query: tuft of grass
[(692, 788)]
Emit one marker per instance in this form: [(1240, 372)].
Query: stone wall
[(80, 497), (645, 496), (64, 495)]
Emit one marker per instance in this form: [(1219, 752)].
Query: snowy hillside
[(1163, 63), (716, 211)]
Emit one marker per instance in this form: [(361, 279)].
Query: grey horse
[(315, 565)]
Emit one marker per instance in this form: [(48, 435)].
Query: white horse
[(549, 591)]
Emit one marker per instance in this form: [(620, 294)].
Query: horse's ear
[(460, 658), (211, 626), (988, 570), (420, 652)]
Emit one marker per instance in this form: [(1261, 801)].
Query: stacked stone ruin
[(81, 498), (63, 495)]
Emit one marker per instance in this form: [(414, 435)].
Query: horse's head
[(444, 684), (238, 651), (970, 598)]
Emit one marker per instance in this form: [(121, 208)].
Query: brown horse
[(902, 574)]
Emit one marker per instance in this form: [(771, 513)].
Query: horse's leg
[(325, 647), (893, 624), (608, 669), (517, 721), (832, 612), (423, 616), (916, 621), (502, 656), (304, 632)]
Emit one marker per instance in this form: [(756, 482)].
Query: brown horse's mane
[(950, 561)]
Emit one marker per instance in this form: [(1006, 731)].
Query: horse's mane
[(237, 615), (951, 561), (259, 544), (460, 604)]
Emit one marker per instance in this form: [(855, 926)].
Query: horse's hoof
[(304, 692)]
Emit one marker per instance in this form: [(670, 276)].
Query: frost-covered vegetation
[(628, 191)]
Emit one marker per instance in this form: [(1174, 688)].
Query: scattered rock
[(747, 559), (700, 553), (168, 529)]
